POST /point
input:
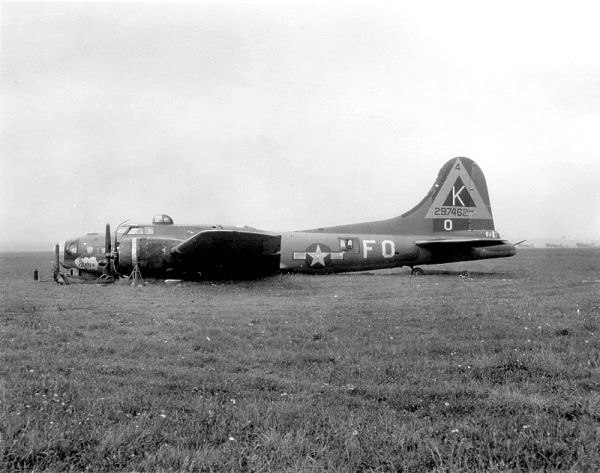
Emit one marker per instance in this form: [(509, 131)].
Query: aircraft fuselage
[(151, 248), (453, 222)]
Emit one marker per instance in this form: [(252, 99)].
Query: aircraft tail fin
[(457, 201)]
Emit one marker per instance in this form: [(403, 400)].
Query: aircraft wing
[(230, 252), (456, 242)]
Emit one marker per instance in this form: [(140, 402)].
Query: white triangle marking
[(440, 211)]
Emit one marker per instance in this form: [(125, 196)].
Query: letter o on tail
[(388, 248)]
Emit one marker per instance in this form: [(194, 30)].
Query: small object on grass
[(136, 277)]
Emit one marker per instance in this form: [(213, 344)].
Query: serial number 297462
[(452, 211)]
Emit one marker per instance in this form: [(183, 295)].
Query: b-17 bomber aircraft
[(453, 222)]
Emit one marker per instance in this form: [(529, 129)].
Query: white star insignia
[(318, 256)]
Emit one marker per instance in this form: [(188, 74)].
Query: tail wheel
[(417, 272)]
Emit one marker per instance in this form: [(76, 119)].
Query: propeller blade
[(107, 248), (56, 259), (518, 243), (114, 262), (115, 249)]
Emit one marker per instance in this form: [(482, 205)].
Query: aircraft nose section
[(68, 253)]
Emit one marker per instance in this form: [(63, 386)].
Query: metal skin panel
[(152, 254), (125, 257), (320, 252)]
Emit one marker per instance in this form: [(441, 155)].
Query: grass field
[(360, 372)]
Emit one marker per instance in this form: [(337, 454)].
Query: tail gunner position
[(453, 222)]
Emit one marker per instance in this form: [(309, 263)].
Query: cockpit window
[(140, 231), (135, 231)]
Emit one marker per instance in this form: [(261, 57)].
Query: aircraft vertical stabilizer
[(458, 201)]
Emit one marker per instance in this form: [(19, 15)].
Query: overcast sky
[(291, 115)]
